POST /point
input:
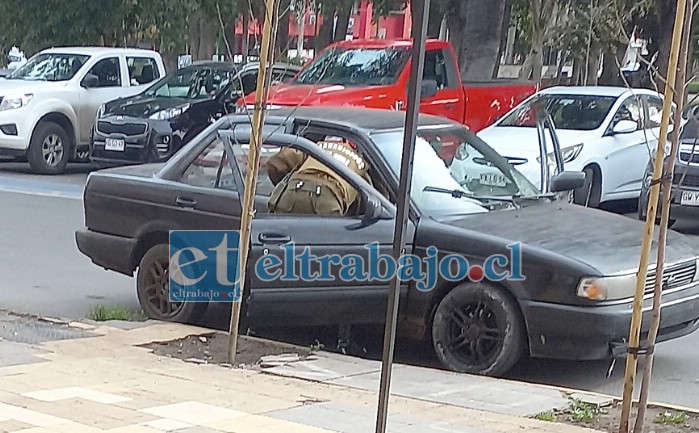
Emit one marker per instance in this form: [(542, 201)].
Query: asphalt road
[(44, 273)]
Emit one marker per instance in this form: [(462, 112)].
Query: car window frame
[(642, 110), (646, 103), (119, 70), (366, 191), (210, 139), (156, 69)]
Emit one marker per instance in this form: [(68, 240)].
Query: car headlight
[(169, 113), (568, 154), (100, 111), (11, 102), (607, 288)]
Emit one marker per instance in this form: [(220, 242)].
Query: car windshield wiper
[(535, 196), (457, 193)]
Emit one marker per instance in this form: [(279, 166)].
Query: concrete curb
[(568, 392)]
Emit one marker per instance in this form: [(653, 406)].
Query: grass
[(583, 412), (546, 416), (668, 417), (102, 313)]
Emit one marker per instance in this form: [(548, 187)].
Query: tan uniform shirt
[(310, 169)]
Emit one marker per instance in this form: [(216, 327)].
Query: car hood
[(302, 94), (141, 106), (8, 87), (523, 142), (608, 242)]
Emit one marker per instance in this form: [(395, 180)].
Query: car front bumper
[(145, 141), (108, 251), (601, 332)]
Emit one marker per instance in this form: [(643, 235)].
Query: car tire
[(589, 195), (153, 290), (49, 149), (477, 329)]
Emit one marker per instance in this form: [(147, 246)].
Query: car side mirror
[(429, 88), (624, 127), (567, 180), (90, 81)]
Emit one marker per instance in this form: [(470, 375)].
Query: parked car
[(605, 132), (48, 105), (374, 73), (156, 123), (684, 202), (578, 264)]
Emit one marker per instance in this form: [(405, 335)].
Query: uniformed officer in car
[(304, 185)]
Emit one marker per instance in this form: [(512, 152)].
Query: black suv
[(684, 202), (153, 125)]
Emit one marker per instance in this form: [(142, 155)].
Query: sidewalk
[(97, 380)]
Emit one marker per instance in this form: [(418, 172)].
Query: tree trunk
[(245, 41), (666, 20), (480, 44), (343, 18), (506, 22), (281, 46), (325, 33), (611, 75), (593, 66)]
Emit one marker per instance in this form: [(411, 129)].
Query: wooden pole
[(664, 218), (248, 212), (419, 36), (637, 314)]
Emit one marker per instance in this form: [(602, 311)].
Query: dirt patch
[(606, 419), (213, 348)]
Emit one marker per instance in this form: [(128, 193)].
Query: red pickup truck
[(374, 73)]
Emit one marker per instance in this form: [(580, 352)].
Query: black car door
[(196, 192), (334, 296)]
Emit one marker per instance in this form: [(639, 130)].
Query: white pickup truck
[(48, 106)]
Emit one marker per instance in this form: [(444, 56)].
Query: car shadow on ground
[(22, 168)]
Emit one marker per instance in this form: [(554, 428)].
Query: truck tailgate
[(486, 101)]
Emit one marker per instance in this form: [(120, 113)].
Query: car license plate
[(114, 144), (492, 179), (690, 198)]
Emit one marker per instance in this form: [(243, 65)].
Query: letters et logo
[(204, 266)]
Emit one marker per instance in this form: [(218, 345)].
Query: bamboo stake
[(248, 212), (664, 218), (636, 318)]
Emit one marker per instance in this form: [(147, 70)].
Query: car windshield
[(477, 171), (192, 83), (355, 67), (574, 112), (50, 67)]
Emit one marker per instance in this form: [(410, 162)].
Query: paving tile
[(134, 429), (263, 424), (13, 426), (198, 429), (193, 412), (16, 413), (166, 424), (59, 394)]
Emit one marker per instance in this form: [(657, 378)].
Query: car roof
[(367, 120), (91, 51), (613, 91)]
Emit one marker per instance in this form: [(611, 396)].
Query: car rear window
[(575, 112)]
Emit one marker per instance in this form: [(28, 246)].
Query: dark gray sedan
[(546, 278)]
